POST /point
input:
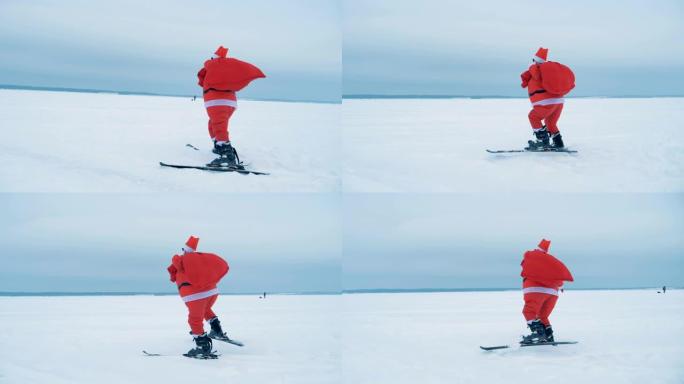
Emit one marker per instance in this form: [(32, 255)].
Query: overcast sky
[(630, 47), (311, 242), (123, 243), (477, 241), (615, 47), (158, 46)]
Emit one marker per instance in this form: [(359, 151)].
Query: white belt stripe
[(220, 102), (558, 100), (548, 291), (200, 295)]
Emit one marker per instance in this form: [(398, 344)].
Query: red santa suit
[(196, 274), (543, 275), (220, 78), (546, 106)]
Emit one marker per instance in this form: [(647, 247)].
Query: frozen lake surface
[(631, 336), (88, 142), (427, 145)]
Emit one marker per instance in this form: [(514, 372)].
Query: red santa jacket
[(540, 269), (531, 79), (197, 272)]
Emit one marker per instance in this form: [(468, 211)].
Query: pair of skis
[(541, 150), (210, 356), (495, 347), (232, 168), (239, 168)]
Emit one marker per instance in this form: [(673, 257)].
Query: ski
[(210, 356), (549, 150), (229, 341), (528, 345), (548, 343), (192, 146), (243, 171), (494, 347)]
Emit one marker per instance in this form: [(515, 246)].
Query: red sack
[(556, 78), (538, 265), (228, 74), (201, 270)]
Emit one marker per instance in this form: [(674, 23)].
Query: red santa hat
[(221, 52), (544, 245), (191, 244), (541, 55)]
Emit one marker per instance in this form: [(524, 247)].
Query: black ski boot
[(216, 330), (557, 141), (538, 334), (548, 334), (215, 150), (542, 141), (203, 348), (227, 156)]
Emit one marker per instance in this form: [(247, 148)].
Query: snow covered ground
[(624, 337), (55, 340), (421, 145), (85, 142)]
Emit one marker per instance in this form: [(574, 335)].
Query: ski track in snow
[(81, 142), (422, 145)]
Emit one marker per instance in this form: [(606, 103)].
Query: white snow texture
[(630, 336), (89, 142), (421, 145)]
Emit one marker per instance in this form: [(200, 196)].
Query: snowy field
[(624, 337), (420, 145), (66, 340), (84, 142)]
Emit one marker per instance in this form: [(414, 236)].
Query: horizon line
[(439, 96), (142, 93), (351, 96), (305, 293)]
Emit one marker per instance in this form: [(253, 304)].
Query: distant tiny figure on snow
[(194, 98), (664, 288), (546, 82), (196, 274), (220, 78), (543, 275)]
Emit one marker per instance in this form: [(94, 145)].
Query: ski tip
[(493, 348)]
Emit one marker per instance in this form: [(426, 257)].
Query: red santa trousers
[(539, 306), (220, 107), (549, 113), (198, 311)]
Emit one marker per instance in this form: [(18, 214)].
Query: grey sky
[(76, 242), (480, 48), (477, 241), (82, 242), (158, 46)]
